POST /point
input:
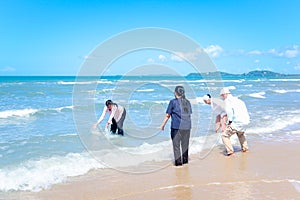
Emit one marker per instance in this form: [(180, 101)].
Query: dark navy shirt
[(181, 119)]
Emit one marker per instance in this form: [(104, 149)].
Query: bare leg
[(218, 123), (223, 122)]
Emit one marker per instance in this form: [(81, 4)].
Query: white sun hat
[(225, 91)]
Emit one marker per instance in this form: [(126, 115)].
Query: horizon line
[(52, 75)]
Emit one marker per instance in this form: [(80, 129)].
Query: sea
[(43, 141)]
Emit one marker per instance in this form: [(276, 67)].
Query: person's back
[(181, 113), (180, 110), (241, 114)]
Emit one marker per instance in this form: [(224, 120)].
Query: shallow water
[(39, 141)]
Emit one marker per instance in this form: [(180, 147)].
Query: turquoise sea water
[(39, 142)]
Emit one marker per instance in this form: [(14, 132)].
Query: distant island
[(256, 73)]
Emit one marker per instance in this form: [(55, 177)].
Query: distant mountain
[(256, 73), (264, 73), (211, 74)]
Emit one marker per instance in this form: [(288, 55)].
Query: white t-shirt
[(217, 106), (116, 112), (237, 112)]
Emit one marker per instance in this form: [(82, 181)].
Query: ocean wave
[(149, 102), (27, 112), (277, 125), (295, 132), (162, 101), (285, 91), (145, 90), (284, 80), (295, 183), (35, 175), (259, 95), (18, 113), (83, 82), (215, 81), (59, 109)]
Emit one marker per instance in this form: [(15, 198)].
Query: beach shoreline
[(266, 172)]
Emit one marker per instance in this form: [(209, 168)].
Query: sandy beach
[(268, 171)]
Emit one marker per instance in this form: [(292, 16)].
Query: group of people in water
[(231, 118)]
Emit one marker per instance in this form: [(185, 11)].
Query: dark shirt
[(181, 118)]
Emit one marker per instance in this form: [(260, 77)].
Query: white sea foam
[(162, 102), (35, 175), (295, 132), (285, 91), (108, 89), (17, 113), (62, 108), (27, 112), (259, 95), (284, 80), (277, 124), (175, 186), (216, 81), (146, 148), (68, 134), (145, 90), (232, 87), (83, 82), (72, 83), (295, 183)]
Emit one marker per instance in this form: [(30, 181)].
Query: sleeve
[(229, 110), (191, 111), (170, 108), (113, 112), (102, 115)]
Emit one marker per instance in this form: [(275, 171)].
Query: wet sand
[(268, 171)]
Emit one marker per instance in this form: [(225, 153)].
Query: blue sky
[(53, 37)]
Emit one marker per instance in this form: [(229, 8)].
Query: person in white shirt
[(218, 111), (237, 121), (116, 119)]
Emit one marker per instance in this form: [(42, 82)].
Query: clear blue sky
[(53, 37)]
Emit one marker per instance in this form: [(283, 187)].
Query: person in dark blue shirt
[(180, 110)]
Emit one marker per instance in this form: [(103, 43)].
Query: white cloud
[(255, 52), (150, 60), (289, 52), (181, 56), (162, 57), (7, 69), (297, 67), (213, 50), (292, 53), (256, 61), (274, 52), (185, 55), (176, 58), (264, 68)]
